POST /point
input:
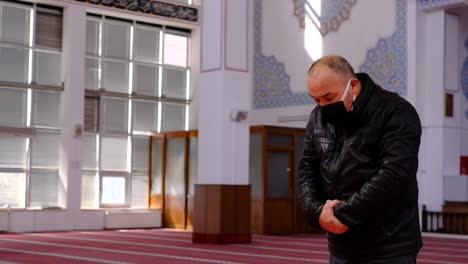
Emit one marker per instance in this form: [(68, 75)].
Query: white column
[(72, 107), (430, 95), (224, 90)]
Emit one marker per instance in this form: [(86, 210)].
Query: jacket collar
[(368, 87)]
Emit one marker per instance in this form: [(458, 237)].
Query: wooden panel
[(175, 134), (174, 211), (156, 201), (243, 204), (278, 217), (190, 203), (455, 207), (192, 133), (213, 209), (228, 209), (257, 215), (199, 215)]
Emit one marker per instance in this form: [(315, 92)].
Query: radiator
[(132, 219), (3, 221)]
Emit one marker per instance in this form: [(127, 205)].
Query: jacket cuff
[(340, 212), (313, 216)]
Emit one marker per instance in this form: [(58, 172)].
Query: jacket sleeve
[(398, 161), (308, 187)]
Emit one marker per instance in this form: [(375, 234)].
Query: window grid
[(31, 86), (133, 97)]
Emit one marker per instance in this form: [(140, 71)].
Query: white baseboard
[(144, 218), (4, 221)]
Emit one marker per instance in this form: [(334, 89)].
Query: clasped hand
[(328, 221)]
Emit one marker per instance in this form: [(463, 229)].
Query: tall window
[(138, 83), (30, 90)]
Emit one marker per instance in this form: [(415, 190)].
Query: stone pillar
[(222, 193), (72, 107), (430, 103)]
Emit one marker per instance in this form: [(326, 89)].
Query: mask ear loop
[(346, 90), (352, 105)]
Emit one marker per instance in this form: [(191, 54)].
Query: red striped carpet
[(169, 246)]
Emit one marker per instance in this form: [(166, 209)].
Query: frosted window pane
[(146, 45), (15, 24), (278, 171), (193, 164), (43, 189), (114, 115), (13, 65), (89, 190), (146, 80), (175, 82), (140, 153), (115, 77), (175, 50), (156, 167), (45, 150), (48, 68), (12, 107), (89, 153), (173, 117), (12, 189), (145, 116), (140, 190), (92, 37), (255, 164), (92, 74), (175, 184), (12, 152), (116, 40), (113, 190), (46, 109), (114, 153)]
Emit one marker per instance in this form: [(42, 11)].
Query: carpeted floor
[(169, 246)]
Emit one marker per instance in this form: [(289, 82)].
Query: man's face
[(327, 87)]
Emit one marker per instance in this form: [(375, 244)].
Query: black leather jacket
[(369, 164)]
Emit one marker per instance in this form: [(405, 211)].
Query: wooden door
[(192, 175), (279, 197), (175, 181), (278, 182)]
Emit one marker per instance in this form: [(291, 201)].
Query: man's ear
[(354, 85)]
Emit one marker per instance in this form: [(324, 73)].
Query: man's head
[(328, 78)]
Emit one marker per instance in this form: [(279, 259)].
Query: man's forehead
[(320, 84)]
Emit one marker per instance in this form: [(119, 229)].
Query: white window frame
[(29, 131), (131, 96)]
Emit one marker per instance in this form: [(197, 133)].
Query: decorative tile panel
[(387, 63), (329, 18), (154, 7), (464, 77), (271, 81)]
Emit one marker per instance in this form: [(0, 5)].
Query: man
[(357, 175)]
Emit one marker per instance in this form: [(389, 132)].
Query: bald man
[(357, 174)]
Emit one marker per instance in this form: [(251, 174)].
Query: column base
[(221, 214)]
